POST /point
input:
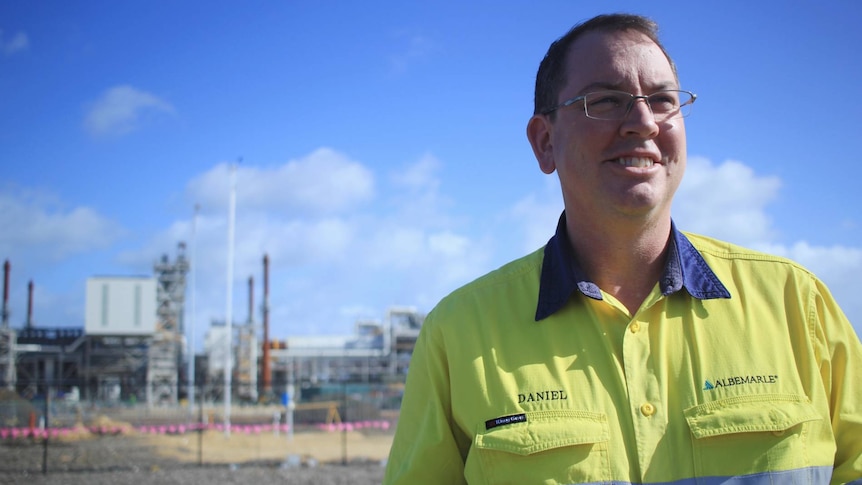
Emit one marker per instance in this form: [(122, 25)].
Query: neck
[(625, 260)]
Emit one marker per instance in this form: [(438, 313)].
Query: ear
[(539, 134)]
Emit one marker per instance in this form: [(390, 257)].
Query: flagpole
[(228, 368), (191, 340)]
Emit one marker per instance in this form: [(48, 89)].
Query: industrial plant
[(132, 348)]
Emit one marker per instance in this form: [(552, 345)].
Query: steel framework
[(164, 355)]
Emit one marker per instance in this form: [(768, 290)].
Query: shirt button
[(647, 409), (635, 327)]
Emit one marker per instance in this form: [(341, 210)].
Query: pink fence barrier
[(178, 429)]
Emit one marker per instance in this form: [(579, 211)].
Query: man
[(626, 351)]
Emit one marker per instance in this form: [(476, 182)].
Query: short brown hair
[(551, 77)]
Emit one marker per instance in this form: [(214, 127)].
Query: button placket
[(643, 388), (636, 350)]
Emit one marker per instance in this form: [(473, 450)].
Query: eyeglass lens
[(614, 105)]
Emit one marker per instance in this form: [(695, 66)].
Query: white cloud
[(42, 228), (339, 249), (411, 247), (833, 260), (420, 176), (323, 182), (413, 48), (726, 201), (448, 244), (42, 239), (456, 258), (416, 196), (537, 214), (120, 109), (298, 242), (15, 44)]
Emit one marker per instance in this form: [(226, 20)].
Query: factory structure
[(132, 347)]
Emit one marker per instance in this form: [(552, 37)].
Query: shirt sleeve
[(841, 371), (425, 449)]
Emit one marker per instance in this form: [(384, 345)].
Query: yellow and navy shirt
[(738, 368)]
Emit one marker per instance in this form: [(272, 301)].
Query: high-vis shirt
[(738, 367)]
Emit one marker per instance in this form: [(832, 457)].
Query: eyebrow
[(603, 85)]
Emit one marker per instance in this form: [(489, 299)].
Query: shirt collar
[(562, 275)]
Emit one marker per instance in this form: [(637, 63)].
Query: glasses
[(615, 105)]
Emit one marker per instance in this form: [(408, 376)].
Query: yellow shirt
[(738, 365)]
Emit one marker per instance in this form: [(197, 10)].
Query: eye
[(605, 101), (664, 101)]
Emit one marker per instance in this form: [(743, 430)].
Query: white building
[(119, 305)]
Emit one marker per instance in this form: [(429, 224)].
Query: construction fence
[(337, 423)]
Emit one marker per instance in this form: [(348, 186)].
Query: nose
[(640, 119)]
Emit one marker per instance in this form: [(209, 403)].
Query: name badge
[(504, 420)]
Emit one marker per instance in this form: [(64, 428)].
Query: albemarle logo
[(738, 381)]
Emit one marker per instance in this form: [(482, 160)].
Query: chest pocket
[(549, 447), (751, 434)]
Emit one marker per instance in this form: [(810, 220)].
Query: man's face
[(607, 169)]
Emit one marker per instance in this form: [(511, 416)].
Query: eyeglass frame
[(634, 98)]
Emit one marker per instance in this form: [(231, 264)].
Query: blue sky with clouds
[(384, 160)]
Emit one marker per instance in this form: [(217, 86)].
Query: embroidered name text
[(542, 396)]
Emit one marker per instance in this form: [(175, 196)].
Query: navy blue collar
[(562, 275)]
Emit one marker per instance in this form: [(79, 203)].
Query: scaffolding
[(164, 354), (403, 324), (7, 337), (114, 367), (7, 357), (246, 363)]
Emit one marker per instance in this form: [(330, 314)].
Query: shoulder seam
[(733, 251)]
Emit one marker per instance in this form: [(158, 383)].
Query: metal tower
[(165, 349), (7, 356), (7, 338), (247, 353)]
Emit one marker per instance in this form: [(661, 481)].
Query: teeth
[(635, 162)]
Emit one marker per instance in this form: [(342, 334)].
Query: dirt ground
[(241, 447), (309, 457)]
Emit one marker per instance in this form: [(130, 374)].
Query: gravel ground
[(120, 459), (366, 474)]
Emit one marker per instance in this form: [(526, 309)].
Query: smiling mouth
[(636, 162)]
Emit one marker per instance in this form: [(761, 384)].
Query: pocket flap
[(759, 412), (544, 430)]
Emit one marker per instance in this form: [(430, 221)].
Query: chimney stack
[(7, 268), (267, 370), (30, 304), (250, 299)]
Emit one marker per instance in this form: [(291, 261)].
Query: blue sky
[(384, 160)]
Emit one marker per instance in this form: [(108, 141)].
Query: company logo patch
[(739, 381), (504, 420)]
